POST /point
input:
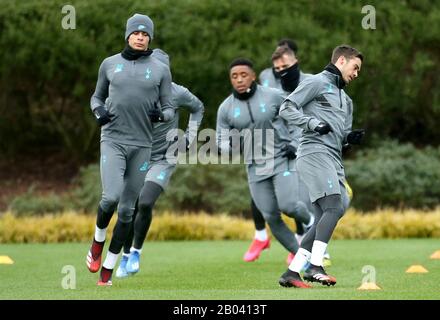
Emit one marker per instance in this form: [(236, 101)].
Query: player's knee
[(145, 205), (287, 207), (293, 209), (125, 214), (272, 219), (338, 211), (109, 203)]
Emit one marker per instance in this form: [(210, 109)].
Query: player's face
[(286, 61), (139, 40), (350, 69), (241, 78)]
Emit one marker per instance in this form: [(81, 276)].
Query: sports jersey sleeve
[(290, 108), (101, 90)]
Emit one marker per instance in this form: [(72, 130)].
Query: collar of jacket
[(246, 95), (340, 83), (131, 54)]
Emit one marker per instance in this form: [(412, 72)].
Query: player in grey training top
[(130, 86), (270, 77), (286, 67), (273, 180), (160, 170), (326, 121)]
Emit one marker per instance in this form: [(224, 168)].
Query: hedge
[(48, 79), (73, 227)]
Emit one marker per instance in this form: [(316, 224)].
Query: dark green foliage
[(47, 74), (87, 194), (30, 203), (209, 188), (389, 175), (394, 175)]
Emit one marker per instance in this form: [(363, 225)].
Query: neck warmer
[(275, 74), (130, 54), (247, 94), (290, 78), (340, 83)]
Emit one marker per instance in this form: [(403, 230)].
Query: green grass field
[(204, 270)]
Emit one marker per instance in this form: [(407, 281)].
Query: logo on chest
[(119, 67), (263, 107), (237, 112), (148, 73)]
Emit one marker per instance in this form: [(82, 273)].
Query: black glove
[(155, 114), (323, 128), (179, 146), (355, 137), (103, 116), (289, 151)]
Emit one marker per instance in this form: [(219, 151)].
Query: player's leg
[(261, 239), (112, 167), (149, 194), (322, 175), (287, 191), (263, 193), (121, 272), (156, 182), (137, 159), (312, 169)]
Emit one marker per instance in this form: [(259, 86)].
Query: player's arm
[(290, 108), (351, 136), (97, 101), (222, 130), (196, 109), (165, 96)]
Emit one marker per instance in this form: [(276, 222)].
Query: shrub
[(74, 227), (47, 104), (31, 203), (87, 193), (395, 175)]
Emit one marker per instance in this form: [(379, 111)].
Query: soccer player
[(160, 170), (326, 120), (272, 178), (271, 77), (126, 105)]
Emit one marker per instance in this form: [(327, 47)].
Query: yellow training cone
[(435, 255), (416, 269), (369, 286), (5, 260)]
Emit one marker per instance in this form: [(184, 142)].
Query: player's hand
[(355, 136), (323, 128), (289, 151), (155, 114), (103, 116), (182, 144)]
